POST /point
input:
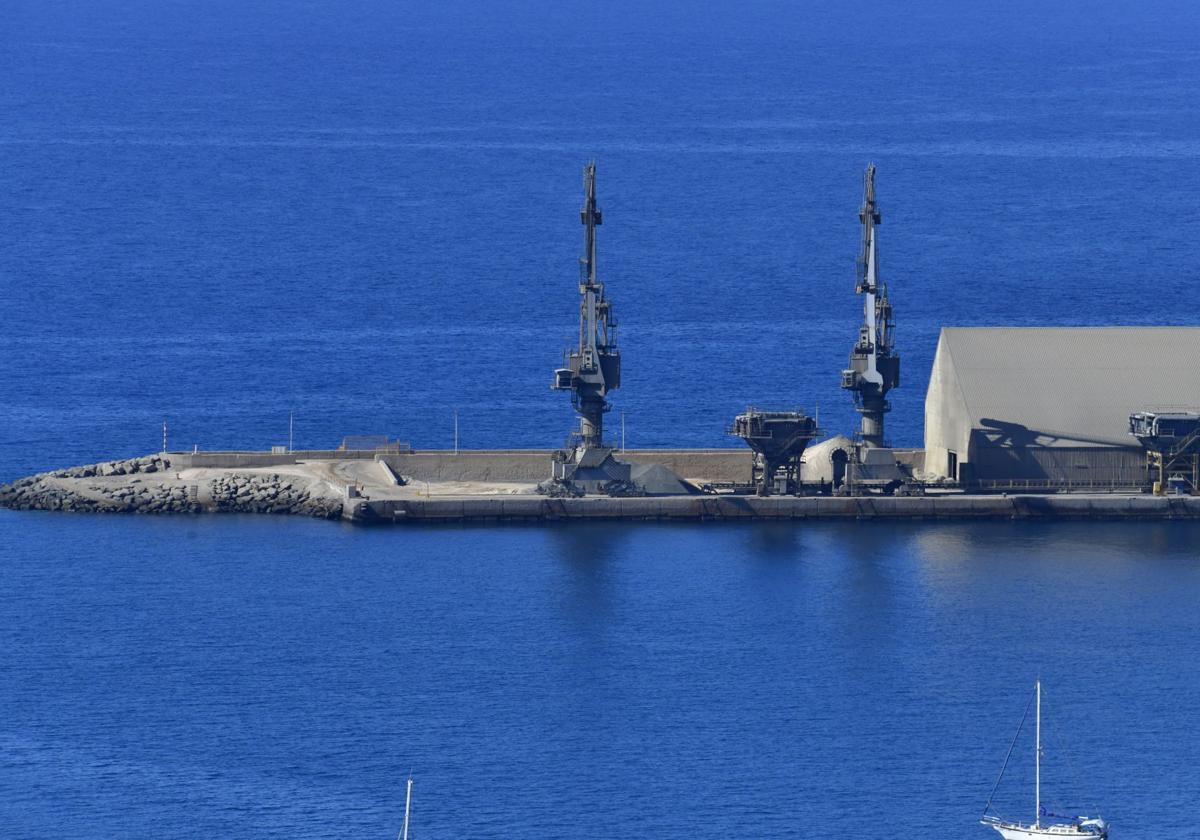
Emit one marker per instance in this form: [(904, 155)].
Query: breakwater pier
[(502, 485), (1098, 441)]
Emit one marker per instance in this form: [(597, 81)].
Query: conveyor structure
[(1172, 443), (778, 439)]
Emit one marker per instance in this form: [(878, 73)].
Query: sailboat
[(1081, 826), (407, 808)]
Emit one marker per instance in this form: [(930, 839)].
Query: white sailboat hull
[(1062, 831), (1083, 827)]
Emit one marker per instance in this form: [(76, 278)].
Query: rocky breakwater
[(148, 485), (242, 493), (109, 486)]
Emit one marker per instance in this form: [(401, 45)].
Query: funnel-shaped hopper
[(779, 439)]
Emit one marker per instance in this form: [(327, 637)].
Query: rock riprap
[(141, 497), (240, 493), (131, 466), (145, 485)]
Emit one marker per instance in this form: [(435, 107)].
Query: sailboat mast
[(407, 807), (1037, 784)]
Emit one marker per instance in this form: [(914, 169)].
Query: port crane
[(593, 368), (874, 366)]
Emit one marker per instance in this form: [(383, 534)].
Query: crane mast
[(874, 366), (593, 368)]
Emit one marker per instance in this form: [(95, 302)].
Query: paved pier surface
[(498, 486), (486, 465)]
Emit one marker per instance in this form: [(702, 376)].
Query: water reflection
[(587, 554), (772, 542), (1081, 553)]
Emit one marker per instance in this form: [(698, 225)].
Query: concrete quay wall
[(154, 484), (498, 465), (250, 460), (752, 508)]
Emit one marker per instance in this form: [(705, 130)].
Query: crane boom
[(594, 368), (874, 366)]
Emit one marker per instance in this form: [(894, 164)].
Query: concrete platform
[(752, 508), (499, 486), (485, 465)]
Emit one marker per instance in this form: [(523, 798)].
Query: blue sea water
[(365, 213)]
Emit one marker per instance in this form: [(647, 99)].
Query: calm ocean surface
[(367, 213)]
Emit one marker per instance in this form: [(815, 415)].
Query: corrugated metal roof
[(1072, 384)]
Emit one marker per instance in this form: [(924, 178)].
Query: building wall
[(1083, 466), (1045, 405), (947, 423)]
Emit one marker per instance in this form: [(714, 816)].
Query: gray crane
[(594, 368), (874, 366)]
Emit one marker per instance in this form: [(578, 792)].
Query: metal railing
[(1048, 485)]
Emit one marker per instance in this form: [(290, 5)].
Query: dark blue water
[(366, 213), (265, 678)]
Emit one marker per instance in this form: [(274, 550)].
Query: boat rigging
[(1091, 828)]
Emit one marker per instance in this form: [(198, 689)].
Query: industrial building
[(1051, 406)]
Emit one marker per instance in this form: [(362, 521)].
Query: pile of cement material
[(609, 476), (657, 480)]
